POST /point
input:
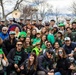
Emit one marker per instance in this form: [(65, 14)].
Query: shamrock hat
[(61, 25), (23, 34), (1, 52)]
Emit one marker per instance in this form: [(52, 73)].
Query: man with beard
[(16, 57)]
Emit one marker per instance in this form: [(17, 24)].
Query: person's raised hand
[(18, 70), (50, 73), (22, 67), (16, 66)]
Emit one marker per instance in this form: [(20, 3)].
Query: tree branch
[(15, 7), (1, 1)]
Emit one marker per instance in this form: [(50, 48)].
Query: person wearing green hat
[(62, 27), (3, 62), (22, 36)]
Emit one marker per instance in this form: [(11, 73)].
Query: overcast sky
[(62, 5)]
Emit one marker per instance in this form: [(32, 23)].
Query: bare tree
[(43, 7), (27, 11), (37, 2), (74, 8), (57, 12), (16, 6)]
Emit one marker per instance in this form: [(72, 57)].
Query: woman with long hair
[(63, 63), (43, 41), (17, 32), (27, 45), (56, 48), (33, 34), (43, 30), (29, 67), (28, 32), (60, 38)]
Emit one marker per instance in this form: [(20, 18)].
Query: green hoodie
[(51, 38), (37, 40)]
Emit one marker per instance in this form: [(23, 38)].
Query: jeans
[(57, 73), (41, 73)]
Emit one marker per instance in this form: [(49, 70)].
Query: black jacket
[(12, 55), (7, 45), (44, 63), (27, 71), (63, 65)]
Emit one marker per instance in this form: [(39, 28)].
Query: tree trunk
[(3, 14)]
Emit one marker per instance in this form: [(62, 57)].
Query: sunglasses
[(4, 30), (19, 44), (12, 34), (60, 52)]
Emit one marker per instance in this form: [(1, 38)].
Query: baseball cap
[(67, 39), (12, 32)]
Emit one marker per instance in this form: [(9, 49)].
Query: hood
[(45, 56)]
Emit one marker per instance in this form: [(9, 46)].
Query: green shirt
[(28, 49), (17, 57)]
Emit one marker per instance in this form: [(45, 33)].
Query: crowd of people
[(33, 48)]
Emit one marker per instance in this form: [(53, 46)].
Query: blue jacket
[(69, 49), (3, 36)]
